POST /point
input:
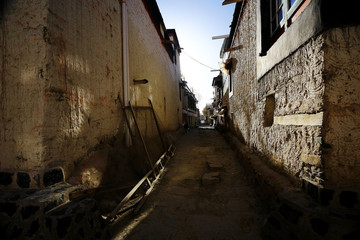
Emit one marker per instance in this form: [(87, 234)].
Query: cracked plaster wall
[(61, 80), (23, 54), (61, 77), (148, 53)]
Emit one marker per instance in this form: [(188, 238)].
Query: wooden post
[(126, 118), (141, 137), (157, 126)]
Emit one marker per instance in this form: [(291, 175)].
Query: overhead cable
[(197, 60)]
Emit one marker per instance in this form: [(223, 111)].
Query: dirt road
[(202, 195)]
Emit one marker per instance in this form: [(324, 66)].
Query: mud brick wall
[(150, 60), (60, 81), (22, 61)]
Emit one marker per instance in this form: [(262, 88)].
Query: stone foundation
[(49, 214), (31, 179), (303, 210)]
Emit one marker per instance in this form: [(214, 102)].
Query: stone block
[(214, 165), (348, 198), (210, 178), (23, 180), (314, 160), (319, 226), (290, 214), (53, 176), (6, 178)]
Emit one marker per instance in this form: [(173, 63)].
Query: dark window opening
[(275, 18), (269, 110)]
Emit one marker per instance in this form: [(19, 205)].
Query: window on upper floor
[(276, 16)]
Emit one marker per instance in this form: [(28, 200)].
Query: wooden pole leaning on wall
[(141, 137), (126, 118), (158, 126)]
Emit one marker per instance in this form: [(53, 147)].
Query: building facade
[(292, 91), (190, 112), (67, 68), (290, 79)]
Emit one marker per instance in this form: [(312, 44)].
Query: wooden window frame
[(271, 33)]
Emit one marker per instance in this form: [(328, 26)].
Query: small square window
[(269, 110)]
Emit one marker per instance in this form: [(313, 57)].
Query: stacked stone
[(48, 214), (300, 217), (33, 179), (308, 213)]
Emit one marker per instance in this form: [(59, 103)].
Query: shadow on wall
[(112, 162)]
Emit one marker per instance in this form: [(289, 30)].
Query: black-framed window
[(276, 15), (275, 18)]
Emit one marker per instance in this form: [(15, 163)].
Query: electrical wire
[(182, 51)]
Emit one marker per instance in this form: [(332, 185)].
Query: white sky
[(196, 22)]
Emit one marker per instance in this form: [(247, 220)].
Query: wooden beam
[(230, 1), (141, 137), (157, 125), (234, 48), (220, 37)]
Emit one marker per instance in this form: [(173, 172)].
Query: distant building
[(190, 112)]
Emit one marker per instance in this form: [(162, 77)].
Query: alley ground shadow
[(203, 194)]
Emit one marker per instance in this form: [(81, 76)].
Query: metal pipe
[(125, 62), (125, 53)]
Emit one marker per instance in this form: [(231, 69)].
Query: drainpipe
[(125, 53), (125, 62)]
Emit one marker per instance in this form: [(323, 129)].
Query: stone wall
[(49, 214), (242, 103), (293, 141), (302, 114), (341, 128)]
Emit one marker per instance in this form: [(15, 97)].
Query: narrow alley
[(202, 195)]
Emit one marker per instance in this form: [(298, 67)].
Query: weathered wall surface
[(61, 83), (84, 76), (290, 141), (242, 103), (303, 114), (61, 77), (150, 60), (293, 139), (23, 61), (342, 98)]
